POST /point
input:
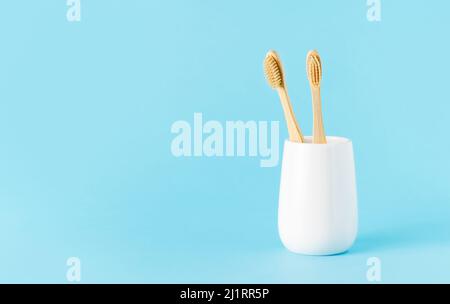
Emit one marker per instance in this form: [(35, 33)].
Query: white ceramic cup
[(317, 213)]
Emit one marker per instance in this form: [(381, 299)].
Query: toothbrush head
[(273, 70), (314, 68)]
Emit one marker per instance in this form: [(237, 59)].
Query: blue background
[(85, 114)]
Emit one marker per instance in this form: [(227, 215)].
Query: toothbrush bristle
[(273, 70), (314, 68)]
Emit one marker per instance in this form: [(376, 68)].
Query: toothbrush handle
[(318, 130), (295, 134)]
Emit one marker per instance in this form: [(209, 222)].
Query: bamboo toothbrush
[(314, 71), (275, 77)]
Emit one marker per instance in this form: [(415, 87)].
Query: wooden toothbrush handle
[(295, 134), (318, 130)]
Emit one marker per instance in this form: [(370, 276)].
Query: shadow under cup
[(317, 213)]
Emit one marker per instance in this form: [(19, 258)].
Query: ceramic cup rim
[(331, 141)]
